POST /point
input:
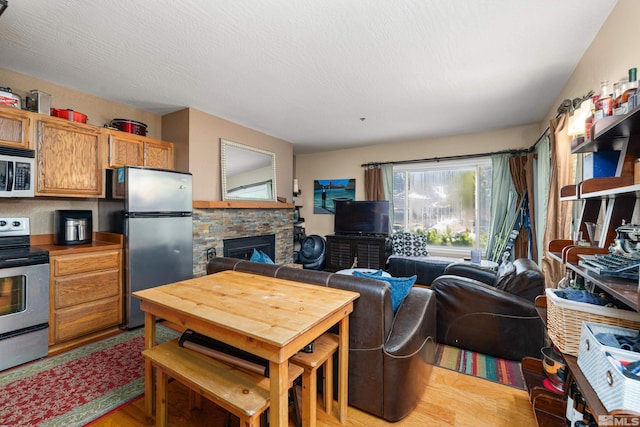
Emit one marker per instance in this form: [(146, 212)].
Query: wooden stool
[(241, 393), (324, 348)]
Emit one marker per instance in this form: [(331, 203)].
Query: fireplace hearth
[(242, 247)]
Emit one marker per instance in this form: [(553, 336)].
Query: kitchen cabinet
[(158, 154), (69, 159), (85, 294), (14, 127), (72, 157), (345, 252), (127, 149)]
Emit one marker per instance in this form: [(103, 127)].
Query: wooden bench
[(324, 348), (243, 394)]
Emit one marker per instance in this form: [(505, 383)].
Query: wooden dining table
[(268, 317)]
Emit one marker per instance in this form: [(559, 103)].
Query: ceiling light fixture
[(4, 4)]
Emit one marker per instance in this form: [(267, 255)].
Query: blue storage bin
[(600, 164)]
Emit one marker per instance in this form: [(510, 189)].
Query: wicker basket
[(564, 320)]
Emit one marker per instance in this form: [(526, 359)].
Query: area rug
[(78, 386), (503, 371)]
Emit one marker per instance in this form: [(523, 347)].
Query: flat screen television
[(361, 217)]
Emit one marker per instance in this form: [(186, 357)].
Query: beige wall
[(175, 128), (99, 111), (196, 136), (609, 57), (346, 163), (204, 136)]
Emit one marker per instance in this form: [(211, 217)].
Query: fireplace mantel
[(218, 204)]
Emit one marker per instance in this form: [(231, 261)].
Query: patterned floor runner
[(503, 371), (78, 386)]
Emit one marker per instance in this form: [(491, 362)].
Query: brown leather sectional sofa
[(390, 356), (491, 313)]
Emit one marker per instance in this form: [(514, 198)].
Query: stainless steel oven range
[(24, 295)]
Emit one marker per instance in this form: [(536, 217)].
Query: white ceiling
[(307, 71)]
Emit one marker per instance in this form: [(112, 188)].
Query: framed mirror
[(248, 173)]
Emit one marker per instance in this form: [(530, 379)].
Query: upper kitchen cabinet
[(127, 149), (14, 127), (158, 154), (69, 159)]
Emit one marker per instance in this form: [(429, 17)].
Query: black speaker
[(312, 252)]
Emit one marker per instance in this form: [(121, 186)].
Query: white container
[(615, 390), (43, 101), (10, 99)]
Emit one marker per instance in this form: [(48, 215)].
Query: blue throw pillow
[(400, 286), (259, 256), (377, 273)]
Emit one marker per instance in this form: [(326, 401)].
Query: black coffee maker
[(73, 227)]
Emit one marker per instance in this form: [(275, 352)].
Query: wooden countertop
[(101, 241)]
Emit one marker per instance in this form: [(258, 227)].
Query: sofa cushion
[(400, 286), (409, 244), (505, 275)]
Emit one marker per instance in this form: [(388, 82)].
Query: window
[(449, 201)]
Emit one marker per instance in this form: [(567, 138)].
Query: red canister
[(130, 126), (68, 114)]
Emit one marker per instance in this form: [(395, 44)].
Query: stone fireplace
[(242, 247), (212, 226)]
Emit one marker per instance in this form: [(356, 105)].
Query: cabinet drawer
[(81, 288), (77, 321), (82, 263)]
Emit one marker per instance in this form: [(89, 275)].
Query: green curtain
[(543, 176), (387, 184), (503, 199)]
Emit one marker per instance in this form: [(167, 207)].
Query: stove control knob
[(3, 223), (16, 223)]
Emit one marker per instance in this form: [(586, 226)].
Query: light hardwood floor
[(450, 399)]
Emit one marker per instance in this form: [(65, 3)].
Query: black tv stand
[(365, 251), (361, 234)]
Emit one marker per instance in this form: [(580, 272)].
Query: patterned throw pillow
[(409, 244)]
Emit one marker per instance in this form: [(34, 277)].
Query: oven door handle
[(10, 176)]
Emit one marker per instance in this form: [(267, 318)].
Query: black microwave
[(16, 172)]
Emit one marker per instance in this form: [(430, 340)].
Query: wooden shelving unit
[(548, 406), (609, 133), (619, 195)]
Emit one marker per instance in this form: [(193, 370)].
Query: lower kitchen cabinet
[(86, 294)]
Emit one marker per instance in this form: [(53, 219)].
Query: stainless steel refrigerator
[(152, 208)]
